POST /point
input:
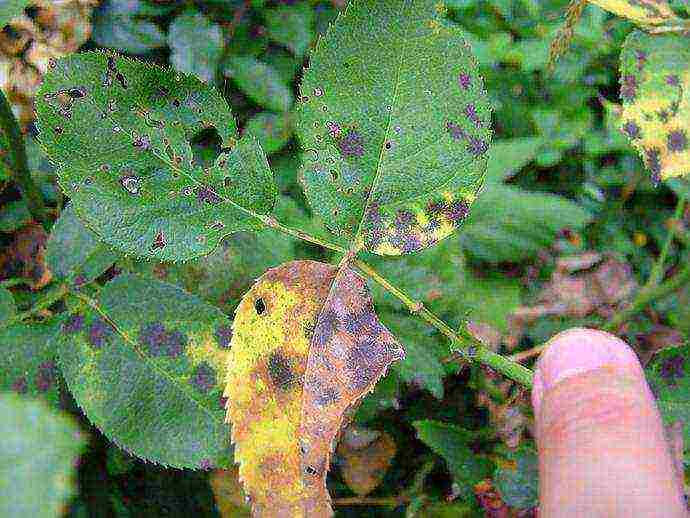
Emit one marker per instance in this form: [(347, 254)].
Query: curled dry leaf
[(364, 462), (26, 257), (306, 347)]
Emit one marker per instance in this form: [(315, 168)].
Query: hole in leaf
[(206, 146), (260, 306), (310, 470)]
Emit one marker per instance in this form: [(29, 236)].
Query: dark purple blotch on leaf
[(206, 195), (672, 80), (672, 368), (653, 164), (204, 377), (161, 342), (45, 377), (632, 130), (325, 328), (456, 132), (677, 141), (403, 219), (73, 324), (457, 211), (477, 146), (205, 464), (224, 335), (464, 80), (99, 332), (471, 113), (629, 88), (79, 281), (411, 244), (351, 145), (20, 386)]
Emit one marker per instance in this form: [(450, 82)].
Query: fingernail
[(577, 351)]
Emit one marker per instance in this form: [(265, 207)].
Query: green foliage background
[(561, 178)]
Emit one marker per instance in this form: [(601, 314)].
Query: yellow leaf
[(306, 347), (645, 12)]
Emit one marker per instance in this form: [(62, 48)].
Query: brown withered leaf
[(306, 347), (26, 257), (364, 462)]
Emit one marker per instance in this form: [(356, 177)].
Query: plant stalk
[(48, 300), (657, 272), (470, 347), (20, 166)]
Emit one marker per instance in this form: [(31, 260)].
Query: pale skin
[(602, 448)]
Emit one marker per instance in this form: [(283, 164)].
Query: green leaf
[(424, 351), (116, 25), (74, 253), (668, 376), (655, 89), (118, 131), (511, 224), (451, 443), (14, 215), (28, 360), (259, 81), (272, 130), (489, 299), (39, 447), (223, 276), (197, 45), (397, 125), (291, 26), (10, 9), (518, 484), (7, 306), (507, 157), (146, 363)]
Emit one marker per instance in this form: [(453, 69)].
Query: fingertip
[(577, 351)]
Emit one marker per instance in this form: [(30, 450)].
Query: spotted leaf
[(396, 124), (642, 12), (306, 347), (655, 89), (119, 131), (146, 362), (28, 361), (668, 375)]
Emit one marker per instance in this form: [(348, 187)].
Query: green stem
[(11, 283), (50, 298), (299, 234), (657, 272), (20, 166), (647, 296), (470, 346)]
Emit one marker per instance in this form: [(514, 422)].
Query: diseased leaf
[(642, 12), (28, 360), (306, 347), (38, 450), (451, 443), (259, 81), (365, 456), (146, 363), (655, 89), (14, 215), (119, 132), (668, 376), (396, 124), (510, 224), (228, 494), (74, 253), (197, 45), (291, 26)]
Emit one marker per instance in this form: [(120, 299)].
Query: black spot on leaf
[(280, 371), (260, 306)]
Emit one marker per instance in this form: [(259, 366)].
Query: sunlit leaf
[(38, 450), (655, 89), (396, 124), (306, 347), (146, 362), (643, 12), (119, 132)]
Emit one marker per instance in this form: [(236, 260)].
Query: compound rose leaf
[(396, 124)]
